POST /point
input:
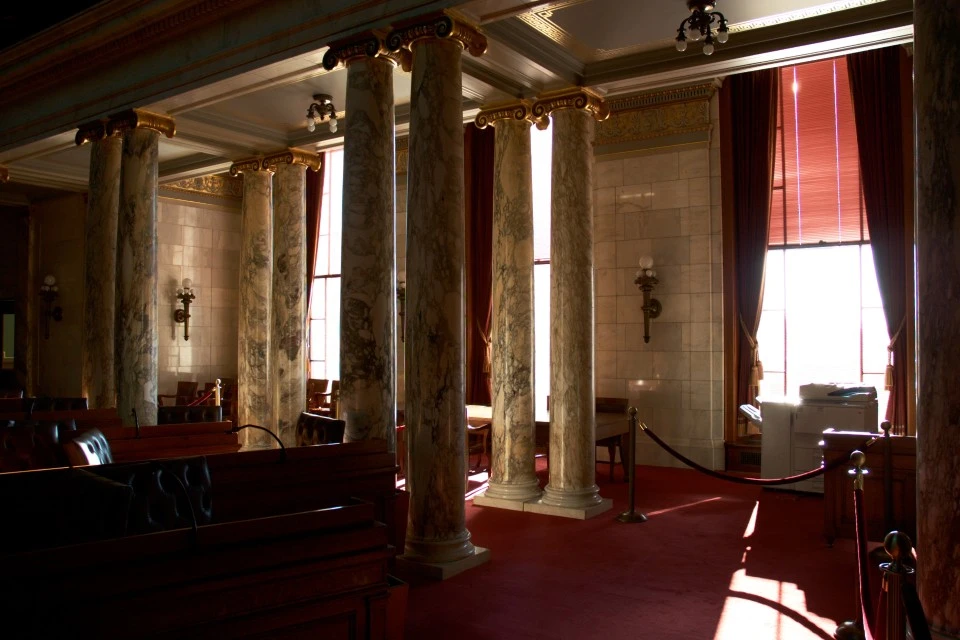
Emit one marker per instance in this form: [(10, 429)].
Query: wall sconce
[(49, 292), (322, 106), (186, 296), (646, 280), (402, 305)]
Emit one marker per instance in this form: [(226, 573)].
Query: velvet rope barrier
[(915, 615), (766, 482), (202, 399), (862, 557)]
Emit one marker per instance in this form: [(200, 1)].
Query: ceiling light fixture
[(320, 108), (700, 25)]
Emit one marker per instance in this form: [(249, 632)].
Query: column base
[(442, 570), (583, 498), (503, 495), (578, 513)]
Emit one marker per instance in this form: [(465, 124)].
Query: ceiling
[(612, 46)]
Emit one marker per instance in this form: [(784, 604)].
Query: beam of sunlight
[(752, 524), (682, 506)]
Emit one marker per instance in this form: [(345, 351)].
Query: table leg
[(625, 455)]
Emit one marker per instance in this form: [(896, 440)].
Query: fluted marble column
[(937, 104), (98, 375), (368, 299), (571, 489), (136, 328), (288, 362), (253, 335), (513, 478), (437, 536)]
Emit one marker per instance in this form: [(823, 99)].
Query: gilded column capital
[(522, 110), (290, 156), (371, 45), (247, 166), (577, 98), (4, 174), (139, 119), (440, 27), (91, 132)]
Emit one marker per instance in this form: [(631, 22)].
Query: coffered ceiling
[(614, 46)]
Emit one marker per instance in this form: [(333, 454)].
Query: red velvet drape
[(314, 194), (748, 123), (875, 85), (478, 199)]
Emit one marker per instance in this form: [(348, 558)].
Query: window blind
[(817, 196)]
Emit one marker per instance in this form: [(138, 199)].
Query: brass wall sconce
[(646, 280), (186, 296), (402, 305), (49, 292)]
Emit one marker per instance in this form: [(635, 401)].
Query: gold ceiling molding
[(217, 186), (244, 166), (140, 119), (4, 174), (403, 154), (799, 14), (291, 156), (652, 115), (521, 110), (440, 27), (578, 98), (373, 45)]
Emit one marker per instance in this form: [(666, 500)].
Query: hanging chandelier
[(704, 24)]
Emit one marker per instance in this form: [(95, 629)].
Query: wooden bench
[(171, 440)]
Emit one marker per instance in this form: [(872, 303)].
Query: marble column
[(98, 373), (25, 307), (368, 298), (937, 106), (253, 334), (437, 538), (513, 478), (288, 358), (136, 330), (571, 489)]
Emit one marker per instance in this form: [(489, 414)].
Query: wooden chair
[(316, 392), (88, 448), (316, 429), (612, 405), (186, 393)]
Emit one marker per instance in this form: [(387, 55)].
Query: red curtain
[(478, 145), (875, 85), (314, 191), (748, 123)]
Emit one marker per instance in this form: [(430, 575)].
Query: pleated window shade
[(817, 197)]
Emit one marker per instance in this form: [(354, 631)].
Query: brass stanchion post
[(631, 515)]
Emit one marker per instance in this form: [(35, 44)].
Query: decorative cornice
[(440, 27), (372, 45), (217, 186), (521, 110), (4, 174), (653, 115), (140, 119), (290, 156), (651, 99), (250, 164), (91, 132), (578, 98), (403, 154)]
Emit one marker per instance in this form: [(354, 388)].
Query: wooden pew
[(84, 418), (171, 441)]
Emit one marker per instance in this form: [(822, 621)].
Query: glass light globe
[(693, 34), (49, 280), (333, 124), (54, 288), (187, 283), (179, 292), (722, 36), (646, 262), (681, 45), (310, 125), (708, 49)]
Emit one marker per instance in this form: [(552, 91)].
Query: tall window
[(325, 299), (822, 319), (541, 148)]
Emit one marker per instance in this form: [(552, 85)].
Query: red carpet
[(702, 567)]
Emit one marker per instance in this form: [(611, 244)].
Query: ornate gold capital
[(508, 111), (91, 132), (291, 156), (578, 98), (4, 174), (140, 119), (440, 27), (370, 46), (250, 164)]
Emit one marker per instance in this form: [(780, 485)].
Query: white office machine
[(793, 427)]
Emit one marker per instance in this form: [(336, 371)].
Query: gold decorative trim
[(140, 119), (91, 132), (522, 110), (578, 98), (372, 45), (703, 91), (403, 154), (440, 27), (250, 164), (218, 186), (656, 114), (291, 156), (4, 174)]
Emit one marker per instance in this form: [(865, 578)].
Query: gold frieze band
[(218, 186), (291, 156), (440, 27), (4, 174), (569, 99), (140, 119), (509, 111), (250, 164), (371, 46)]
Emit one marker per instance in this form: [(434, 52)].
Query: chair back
[(88, 448), (316, 393), (315, 429), (611, 405), (186, 391)]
